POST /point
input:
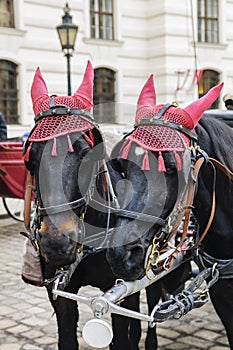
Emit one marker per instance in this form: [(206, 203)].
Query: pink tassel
[(125, 150), (90, 139), (54, 149), (161, 166), (26, 155), (146, 161), (70, 144), (178, 161)]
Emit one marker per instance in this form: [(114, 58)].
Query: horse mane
[(216, 138)]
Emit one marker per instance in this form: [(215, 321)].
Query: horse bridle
[(157, 121), (168, 226), (80, 203), (171, 224)]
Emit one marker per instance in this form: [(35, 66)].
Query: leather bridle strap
[(222, 167), (60, 208), (188, 208), (27, 201), (27, 212), (57, 110), (213, 206), (133, 214)]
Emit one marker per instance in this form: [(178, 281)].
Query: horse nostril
[(72, 236), (134, 253)]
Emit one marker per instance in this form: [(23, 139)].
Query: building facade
[(186, 44)]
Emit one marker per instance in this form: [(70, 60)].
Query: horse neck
[(219, 239)]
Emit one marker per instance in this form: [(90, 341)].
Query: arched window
[(8, 91), (101, 19), (7, 13), (104, 95), (209, 79), (208, 21)]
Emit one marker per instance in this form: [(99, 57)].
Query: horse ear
[(39, 87), (99, 151), (85, 90), (197, 108), (147, 96)]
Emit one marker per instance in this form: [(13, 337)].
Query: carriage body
[(12, 170), (224, 115)]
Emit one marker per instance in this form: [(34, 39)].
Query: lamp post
[(67, 32)]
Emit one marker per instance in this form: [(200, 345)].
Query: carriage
[(12, 177)]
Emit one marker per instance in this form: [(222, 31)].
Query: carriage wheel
[(14, 208)]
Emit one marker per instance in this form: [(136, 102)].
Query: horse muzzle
[(59, 249), (127, 262)]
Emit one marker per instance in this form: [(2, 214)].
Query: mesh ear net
[(156, 138), (54, 126), (159, 138)]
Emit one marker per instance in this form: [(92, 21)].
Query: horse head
[(156, 163), (62, 151)]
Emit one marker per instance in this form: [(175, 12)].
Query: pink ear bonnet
[(55, 124), (82, 98), (159, 138)]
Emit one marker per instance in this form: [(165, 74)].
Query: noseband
[(60, 208)]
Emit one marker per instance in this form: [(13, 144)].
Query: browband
[(64, 111), (164, 122)]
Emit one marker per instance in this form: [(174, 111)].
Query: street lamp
[(67, 32)]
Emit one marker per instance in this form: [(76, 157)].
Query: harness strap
[(27, 212), (197, 167), (211, 217), (189, 203), (133, 215), (204, 260), (222, 167), (56, 110), (27, 201), (55, 209)]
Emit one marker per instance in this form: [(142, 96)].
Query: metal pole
[(68, 55)]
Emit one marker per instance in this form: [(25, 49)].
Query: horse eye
[(171, 170)]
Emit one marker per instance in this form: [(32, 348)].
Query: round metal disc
[(97, 333)]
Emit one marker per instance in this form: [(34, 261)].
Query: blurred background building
[(186, 44)]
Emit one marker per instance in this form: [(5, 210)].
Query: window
[(104, 95), (208, 31), (101, 19), (8, 91), (209, 79), (7, 13)]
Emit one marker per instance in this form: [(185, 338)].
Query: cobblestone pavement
[(27, 321)]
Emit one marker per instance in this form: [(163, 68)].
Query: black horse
[(62, 153), (160, 161)]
